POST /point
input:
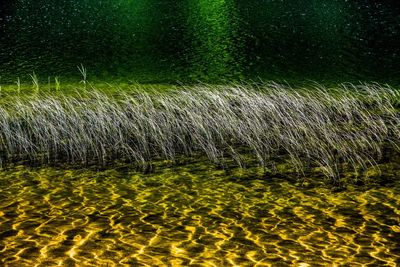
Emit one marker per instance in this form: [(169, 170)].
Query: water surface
[(211, 40)]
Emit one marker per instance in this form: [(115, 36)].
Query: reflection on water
[(197, 216), (217, 40), (208, 40)]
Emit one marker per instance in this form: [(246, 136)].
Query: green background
[(206, 40)]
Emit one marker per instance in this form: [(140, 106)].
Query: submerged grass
[(313, 126)]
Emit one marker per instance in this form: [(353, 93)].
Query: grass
[(313, 126)]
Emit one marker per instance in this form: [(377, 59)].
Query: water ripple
[(182, 217)]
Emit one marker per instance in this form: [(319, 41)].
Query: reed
[(35, 81), (311, 126), (83, 72), (18, 85), (57, 83)]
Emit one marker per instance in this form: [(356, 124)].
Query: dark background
[(208, 40)]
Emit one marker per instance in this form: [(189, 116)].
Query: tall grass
[(312, 126)]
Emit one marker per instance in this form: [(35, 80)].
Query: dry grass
[(312, 126)]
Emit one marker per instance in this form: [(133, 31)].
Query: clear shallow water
[(192, 215)]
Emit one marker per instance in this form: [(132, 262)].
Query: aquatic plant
[(311, 126), (83, 72), (18, 85), (57, 83), (35, 81)]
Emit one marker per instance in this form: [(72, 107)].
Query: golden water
[(193, 215)]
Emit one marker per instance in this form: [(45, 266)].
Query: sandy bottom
[(192, 215)]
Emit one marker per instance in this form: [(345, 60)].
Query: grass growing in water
[(314, 126)]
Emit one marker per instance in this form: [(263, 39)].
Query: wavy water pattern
[(192, 215)]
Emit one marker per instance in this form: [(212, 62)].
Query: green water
[(194, 215), (208, 40)]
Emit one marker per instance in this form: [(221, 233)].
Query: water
[(193, 214), (197, 214), (166, 41)]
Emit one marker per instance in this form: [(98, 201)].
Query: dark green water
[(211, 40)]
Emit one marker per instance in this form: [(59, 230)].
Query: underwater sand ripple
[(181, 217)]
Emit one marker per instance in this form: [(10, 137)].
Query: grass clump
[(311, 126)]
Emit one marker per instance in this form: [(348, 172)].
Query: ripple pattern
[(192, 216)]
